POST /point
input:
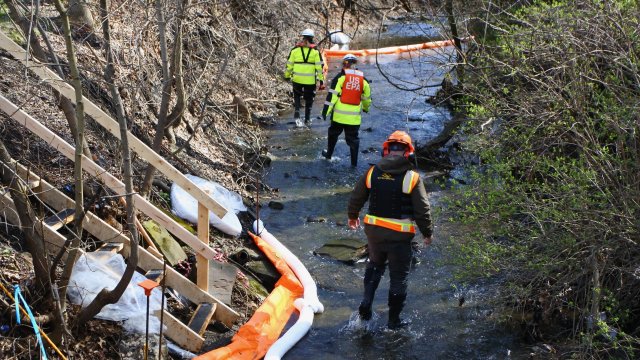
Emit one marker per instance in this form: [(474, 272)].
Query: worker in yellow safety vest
[(350, 95), (397, 199), (304, 69)]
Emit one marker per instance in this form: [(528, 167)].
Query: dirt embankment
[(234, 53)]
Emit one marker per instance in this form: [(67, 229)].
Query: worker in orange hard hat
[(304, 68), (397, 204)]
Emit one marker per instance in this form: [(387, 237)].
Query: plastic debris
[(186, 206)]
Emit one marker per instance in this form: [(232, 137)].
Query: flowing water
[(310, 186)]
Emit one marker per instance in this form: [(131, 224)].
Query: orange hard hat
[(401, 137)]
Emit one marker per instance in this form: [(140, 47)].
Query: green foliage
[(557, 194)]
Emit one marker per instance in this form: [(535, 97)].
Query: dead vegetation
[(208, 73)]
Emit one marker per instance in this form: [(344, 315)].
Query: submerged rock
[(276, 205), (347, 250)]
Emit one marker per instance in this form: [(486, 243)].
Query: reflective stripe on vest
[(368, 178), (352, 87), (409, 182), (392, 224), (346, 112)]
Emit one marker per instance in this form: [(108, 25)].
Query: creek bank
[(221, 148)]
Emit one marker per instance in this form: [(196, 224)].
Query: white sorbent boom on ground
[(308, 305)]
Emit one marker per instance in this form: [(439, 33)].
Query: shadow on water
[(309, 185)]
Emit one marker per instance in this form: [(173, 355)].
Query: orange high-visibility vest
[(352, 87)]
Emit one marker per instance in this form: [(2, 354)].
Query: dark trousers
[(308, 92), (394, 247), (350, 135)]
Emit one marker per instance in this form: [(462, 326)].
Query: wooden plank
[(8, 210), (202, 264), (111, 181), (167, 245), (144, 234), (180, 333), (108, 250), (54, 241), (146, 260), (222, 277), (154, 252), (155, 275), (62, 218), (111, 125), (111, 247), (201, 317)]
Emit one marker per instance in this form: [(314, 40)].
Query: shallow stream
[(310, 186)]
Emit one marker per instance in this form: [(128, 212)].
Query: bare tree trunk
[(34, 244), (79, 193), (456, 40), (77, 85), (33, 241), (175, 117), (105, 296), (38, 52), (164, 103)]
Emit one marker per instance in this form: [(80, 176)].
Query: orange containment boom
[(253, 339), (389, 50)]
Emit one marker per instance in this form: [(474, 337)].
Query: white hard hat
[(350, 57), (307, 32)]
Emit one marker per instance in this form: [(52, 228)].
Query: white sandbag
[(95, 271), (340, 38), (186, 206)]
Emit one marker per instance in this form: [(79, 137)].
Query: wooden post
[(202, 265)]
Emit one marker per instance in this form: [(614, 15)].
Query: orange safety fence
[(253, 339)]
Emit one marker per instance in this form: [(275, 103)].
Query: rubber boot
[(296, 107), (307, 115), (396, 304), (331, 145), (372, 278), (354, 156)]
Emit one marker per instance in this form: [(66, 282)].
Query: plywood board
[(222, 277), (167, 245)]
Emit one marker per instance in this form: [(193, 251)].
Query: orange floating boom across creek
[(387, 50), (253, 339)]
